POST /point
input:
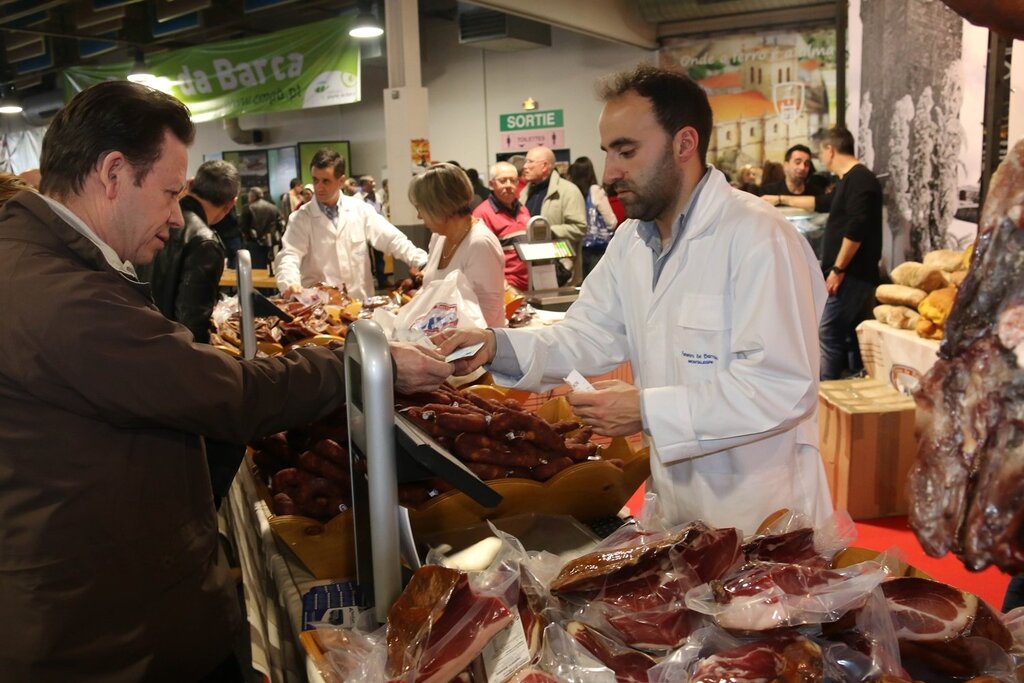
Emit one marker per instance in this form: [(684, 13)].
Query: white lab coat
[(313, 250), (724, 350)]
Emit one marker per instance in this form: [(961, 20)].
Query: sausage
[(276, 446), (579, 452), (289, 479), (581, 436), (463, 422), (338, 433), (412, 495), (533, 428), (319, 487), (284, 505), (468, 443), (312, 461), (553, 467), (330, 449), (566, 426), (486, 471), (267, 464)]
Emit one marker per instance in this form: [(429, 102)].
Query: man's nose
[(177, 220)]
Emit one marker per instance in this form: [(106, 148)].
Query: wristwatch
[(837, 270)]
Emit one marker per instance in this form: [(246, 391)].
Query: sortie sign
[(531, 120)]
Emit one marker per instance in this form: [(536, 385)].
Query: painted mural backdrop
[(768, 91), (919, 123)]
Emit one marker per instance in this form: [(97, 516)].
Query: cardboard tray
[(586, 491)]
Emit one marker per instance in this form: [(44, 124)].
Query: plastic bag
[(792, 539), (440, 305), (352, 655), (702, 643), (443, 620), (569, 661), (766, 595)]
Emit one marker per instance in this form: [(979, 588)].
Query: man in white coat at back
[(326, 239), (713, 297)]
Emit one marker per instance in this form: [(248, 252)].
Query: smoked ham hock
[(967, 486)]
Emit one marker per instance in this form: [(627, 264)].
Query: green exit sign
[(531, 120)]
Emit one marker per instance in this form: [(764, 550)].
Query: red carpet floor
[(882, 534)]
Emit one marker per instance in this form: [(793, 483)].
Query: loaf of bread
[(936, 306), (918, 275), (927, 329), (945, 259), (900, 295), (900, 317)]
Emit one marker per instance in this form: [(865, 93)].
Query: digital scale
[(540, 253)]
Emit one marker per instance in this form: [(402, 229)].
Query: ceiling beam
[(615, 20)]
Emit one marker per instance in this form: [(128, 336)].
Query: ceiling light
[(139, 72), (365, 24), (9, 102)]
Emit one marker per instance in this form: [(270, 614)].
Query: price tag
[(507, 652), (578, 382), (464, 352)]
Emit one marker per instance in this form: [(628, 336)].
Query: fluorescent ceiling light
[(139, 72)]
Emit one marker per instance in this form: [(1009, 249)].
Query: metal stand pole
[(371, 416), (245, 305)]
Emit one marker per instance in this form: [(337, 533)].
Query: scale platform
[(553, 299)]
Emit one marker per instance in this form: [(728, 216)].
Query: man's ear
[(113, 173), (685, 144)]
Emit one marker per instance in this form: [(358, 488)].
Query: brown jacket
[(110, 568)]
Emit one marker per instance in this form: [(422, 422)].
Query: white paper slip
[(464, 352), (578, 382)]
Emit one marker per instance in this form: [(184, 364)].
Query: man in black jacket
[(261, 227), (186, 272)]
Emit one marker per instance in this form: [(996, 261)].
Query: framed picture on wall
[(308, 149), (253, 170), (284, 165)]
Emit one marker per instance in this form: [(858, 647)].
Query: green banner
[(316, 65), (531, 120)]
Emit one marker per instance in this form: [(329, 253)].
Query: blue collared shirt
[(648, 232), (330, 211)]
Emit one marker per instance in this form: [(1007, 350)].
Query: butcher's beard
[(653, 192)]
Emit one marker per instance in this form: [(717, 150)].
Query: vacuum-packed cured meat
[(439, 625)]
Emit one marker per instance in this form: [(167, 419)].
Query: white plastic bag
[(440, 305)]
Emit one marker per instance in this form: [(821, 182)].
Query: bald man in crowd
[(559, 201), (506, 217)]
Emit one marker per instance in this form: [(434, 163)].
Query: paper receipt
[(464, 352), (578, 382)]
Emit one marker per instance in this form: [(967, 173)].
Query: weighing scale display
[(544, 251)]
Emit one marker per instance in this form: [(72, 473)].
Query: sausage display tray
[(586, 491)]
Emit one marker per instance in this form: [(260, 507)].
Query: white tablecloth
[(275, 581), (899, 357)]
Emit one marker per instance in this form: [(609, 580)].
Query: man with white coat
[(713, 298), (326, 239)]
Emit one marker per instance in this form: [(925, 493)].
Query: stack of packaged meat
[(307, 470), (693, 604), (311, 313)]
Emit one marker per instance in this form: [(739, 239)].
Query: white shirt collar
[(79, 225)]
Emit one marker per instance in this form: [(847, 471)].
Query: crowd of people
[(113, 570)]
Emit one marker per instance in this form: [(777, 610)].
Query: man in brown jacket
[(110, 569)]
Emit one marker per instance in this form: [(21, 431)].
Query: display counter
[(275, 582), (898, 357), (261, 279)]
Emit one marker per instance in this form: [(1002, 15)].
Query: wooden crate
[(867, 446)]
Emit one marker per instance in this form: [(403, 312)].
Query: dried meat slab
[(628, 665), (782, 659), (967, 484), (640, 589), (439, 625), (938, 628)]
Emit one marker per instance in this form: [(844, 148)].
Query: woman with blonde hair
[(11, 185), (443, 196)]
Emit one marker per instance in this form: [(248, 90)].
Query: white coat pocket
[(702, 336)]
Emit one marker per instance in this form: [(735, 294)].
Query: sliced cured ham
[(781, 659), (793, 547), (628, 665), (640, 589), (439, 625)]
